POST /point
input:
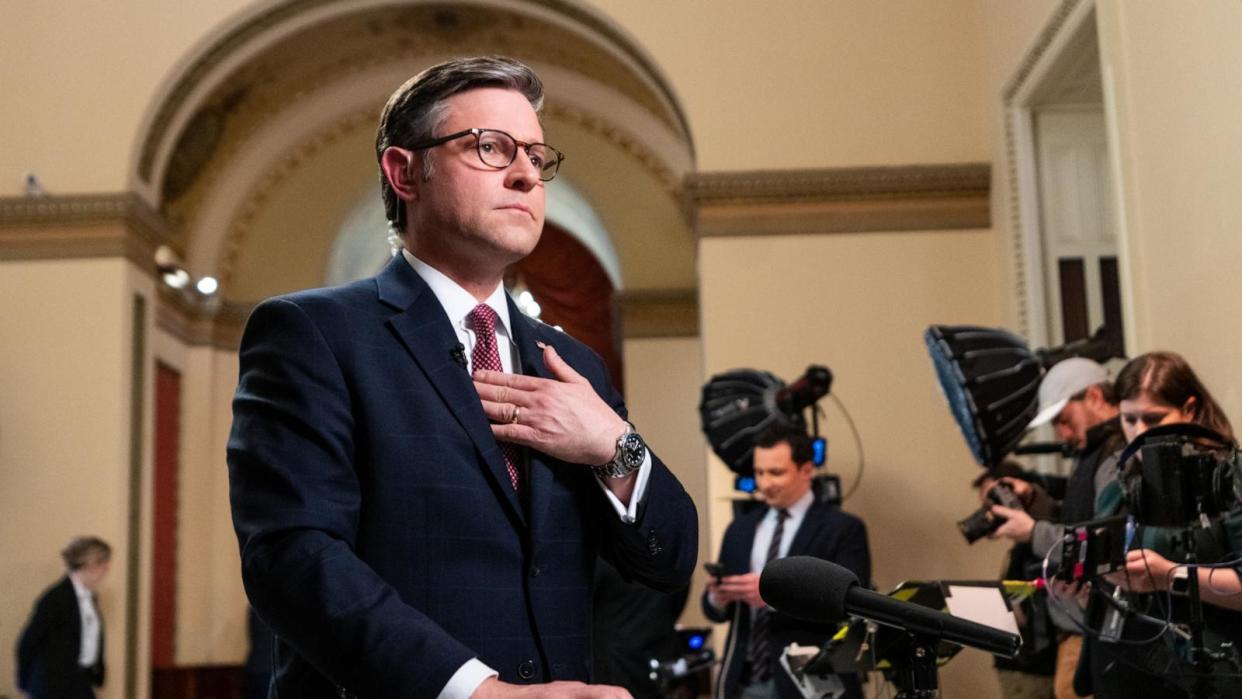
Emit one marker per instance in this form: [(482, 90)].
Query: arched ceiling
[(264, 143)]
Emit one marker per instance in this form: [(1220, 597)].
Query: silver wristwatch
[(631, 452)]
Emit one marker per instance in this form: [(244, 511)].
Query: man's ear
[(1191, 407), (1095, 400), (400, 167)]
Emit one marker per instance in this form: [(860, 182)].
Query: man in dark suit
[(792, 523), (421, 477), (60, 652)]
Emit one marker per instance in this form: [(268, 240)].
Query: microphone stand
[(1200, 656), (914, 668)]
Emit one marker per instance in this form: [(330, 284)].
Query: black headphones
[(1163, 496)]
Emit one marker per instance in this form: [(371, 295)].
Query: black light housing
[(991, 381), (738, 405), (990, 378)]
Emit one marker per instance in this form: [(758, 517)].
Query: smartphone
[(716, 570)]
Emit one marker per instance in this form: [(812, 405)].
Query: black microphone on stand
[(816, 590)]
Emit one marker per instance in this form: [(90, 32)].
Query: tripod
[(1200, 656), (914, 667)]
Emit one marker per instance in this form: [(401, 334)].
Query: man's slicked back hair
[(417, 108), (801, 448)]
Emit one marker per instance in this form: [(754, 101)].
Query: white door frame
[(1020, 94)]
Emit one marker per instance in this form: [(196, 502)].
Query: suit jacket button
[(535, 570), (653, 544), (526, 670)]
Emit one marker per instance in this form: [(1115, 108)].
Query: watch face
[(632, 450)]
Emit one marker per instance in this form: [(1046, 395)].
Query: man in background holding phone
[(793, 523)]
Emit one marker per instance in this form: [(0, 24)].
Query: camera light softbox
[(991, 381), (734, 408)]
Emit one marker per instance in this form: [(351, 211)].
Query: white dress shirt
[(457, 304), (767, 527), (88, 653)]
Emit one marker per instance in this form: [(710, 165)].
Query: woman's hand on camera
[(1145, 571)]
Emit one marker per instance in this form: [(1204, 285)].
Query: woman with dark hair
[(1160, 388)]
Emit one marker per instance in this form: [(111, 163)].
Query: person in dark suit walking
[(421, 477), (793, 523), (60, 652)]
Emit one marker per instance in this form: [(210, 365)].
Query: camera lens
[(979, 524)]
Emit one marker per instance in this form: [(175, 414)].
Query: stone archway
[(261, 144)]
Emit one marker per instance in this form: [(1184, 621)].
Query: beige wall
[(662, 383), (1178, 97), (859, 304), (793, 83), (228, 640), (849, 82), (64, 436), (86, 83)]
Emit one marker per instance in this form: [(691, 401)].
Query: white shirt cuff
[(630, 513), (467, 679)]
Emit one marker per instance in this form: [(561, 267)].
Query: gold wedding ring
[(516, 411)]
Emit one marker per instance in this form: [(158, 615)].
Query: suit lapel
[(746, 544), (812, 523), (425, 331)]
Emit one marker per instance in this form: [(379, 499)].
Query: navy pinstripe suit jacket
[(380, 537)]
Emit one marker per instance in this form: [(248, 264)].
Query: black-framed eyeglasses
[(498, 149)]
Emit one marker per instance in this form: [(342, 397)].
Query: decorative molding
[(654, 313), (840, 200), (838, 184), (1017, 268), (219, 327), (1039, 48), (85, 225)]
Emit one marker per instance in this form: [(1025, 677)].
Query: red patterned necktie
[(485, 356)]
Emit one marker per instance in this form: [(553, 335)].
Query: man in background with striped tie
[(793, 522)]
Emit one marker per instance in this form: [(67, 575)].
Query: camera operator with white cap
[(1076, 396)]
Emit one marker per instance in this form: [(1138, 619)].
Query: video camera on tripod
[(1184, 477)]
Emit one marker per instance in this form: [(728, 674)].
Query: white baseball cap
[(1066, 379)]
